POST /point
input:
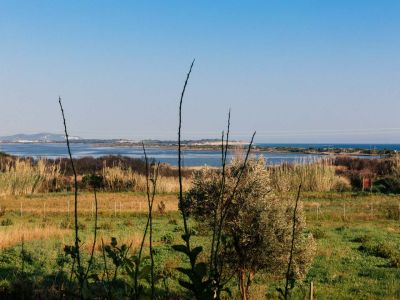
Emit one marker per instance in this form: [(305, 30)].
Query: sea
[(169, 155)]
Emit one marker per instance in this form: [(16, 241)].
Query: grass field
[(358, 239)]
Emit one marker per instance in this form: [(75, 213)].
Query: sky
[(306, 71)]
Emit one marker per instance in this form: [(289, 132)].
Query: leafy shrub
[(167, 238), (387, 185), (105, 226), (161, 207), (395, 261), (66, 224), (379, 249), (6, 222), (362, 239), (258, 224), (172, 221), (93, 180), (392, 211), (318, 233), (342, 184)]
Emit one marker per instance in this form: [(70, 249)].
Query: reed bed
[(315, 175), (22, 177), (117, 178), (27, 177)]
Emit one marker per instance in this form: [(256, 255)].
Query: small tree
[(257, 233)]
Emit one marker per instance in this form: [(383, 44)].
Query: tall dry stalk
[(206, 284), (90, 262), (289, 273), (150, 200), (76, 250), (315, 175), (151, 189)]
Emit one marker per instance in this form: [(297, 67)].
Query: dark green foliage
[(6, 222), (133, 265), (379, 249), (117, 254), (387, 185), (167, 238), (93, 181), (319, 233), (362, 239), (198, 284)]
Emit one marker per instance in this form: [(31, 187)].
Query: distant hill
[(46, 137), (36, 138)]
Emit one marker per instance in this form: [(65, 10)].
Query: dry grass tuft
[(10, 236), (108, 203), (22, 177), (118, 178), (316, 175)]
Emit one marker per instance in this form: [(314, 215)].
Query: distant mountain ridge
[(43, 137)]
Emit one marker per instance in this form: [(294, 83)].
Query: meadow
[(357, 234)]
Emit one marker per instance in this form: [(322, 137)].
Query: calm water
[(190, 158), (341, 146)]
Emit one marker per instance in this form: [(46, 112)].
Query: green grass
[(353, 261)]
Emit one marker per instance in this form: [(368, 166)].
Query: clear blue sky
[(295, 71)]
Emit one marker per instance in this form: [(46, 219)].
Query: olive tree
[(258, 226)]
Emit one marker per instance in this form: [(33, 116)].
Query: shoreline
[(236, 146)]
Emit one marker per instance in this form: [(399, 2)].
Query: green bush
[(380, 249), (395, 261), (361, 239), (388, 185), (318, 233), (167, 238), (6, 222), (93, 180)]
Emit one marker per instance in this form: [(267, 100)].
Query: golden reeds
[(315, 175), (117, 178), (22, 177)]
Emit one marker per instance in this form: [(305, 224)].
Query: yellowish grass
[(108, 203), (13, 235), (318, 175), (21, 177), (117, 178)]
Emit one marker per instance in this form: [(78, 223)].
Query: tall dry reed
[(22, 177), (117, 178), (315, 175)]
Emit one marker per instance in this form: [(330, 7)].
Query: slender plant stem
[(180, 157), (105, 260), (137, 266), (94, 234), (224, 152), (225, 207), (288, 275), (215, 219), (77, 241), (150, 201)]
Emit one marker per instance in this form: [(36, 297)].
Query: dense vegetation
[(240, 233), (355, 258)]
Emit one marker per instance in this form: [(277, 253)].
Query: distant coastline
[(310, 149), (208, 145)]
